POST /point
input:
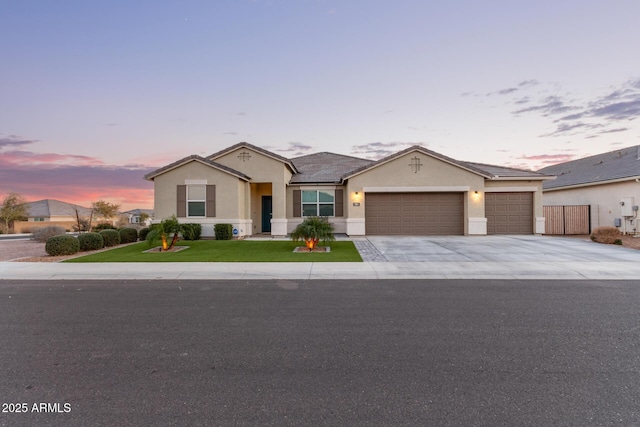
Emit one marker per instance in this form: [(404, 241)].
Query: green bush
[(111, 237), (128, 235), (62, 245), (142, 234), (90, 241), (191, 231), (103, 226), (223, 231), (44, 233), (617, 242)]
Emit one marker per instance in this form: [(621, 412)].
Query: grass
[(226, 251)]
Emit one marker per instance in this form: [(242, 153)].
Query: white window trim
[(197, 184), (317, 202)]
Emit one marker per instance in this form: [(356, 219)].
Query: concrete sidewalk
[(547, 270)]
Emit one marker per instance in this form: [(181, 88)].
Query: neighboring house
[(51, 212), (609, 183), (133, 216), (413, 192)]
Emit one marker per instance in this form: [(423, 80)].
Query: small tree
[(162, 231), (104, 209), (82, 222), (312, 230), (144, 217), (13, 208)]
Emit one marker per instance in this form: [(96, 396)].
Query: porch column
[(279, 218)]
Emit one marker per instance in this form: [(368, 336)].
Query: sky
[(95, 94)]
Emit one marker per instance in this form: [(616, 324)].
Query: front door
[(266, 214)]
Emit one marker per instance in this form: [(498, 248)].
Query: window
[(38, 219), (196, 200), (318, 202)]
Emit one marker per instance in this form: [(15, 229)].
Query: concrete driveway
[(495, 249)]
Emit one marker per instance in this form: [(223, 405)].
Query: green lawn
[(226, 251)]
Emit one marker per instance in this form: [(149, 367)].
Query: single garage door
[(509, 213), (421, 214)]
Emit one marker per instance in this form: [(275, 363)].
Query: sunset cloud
[(379, 150), (538, 161), (620, 105), (294, 149), (14, 141), (74, 179)]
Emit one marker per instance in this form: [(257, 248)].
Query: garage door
[(509, 213), (414, 214)]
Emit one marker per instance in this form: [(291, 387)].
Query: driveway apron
[(494, 249)]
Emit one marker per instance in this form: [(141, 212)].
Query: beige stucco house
[(412, 192), (609, 183)]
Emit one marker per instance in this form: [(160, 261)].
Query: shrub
[(90, 241), (111, 237), (191, 231), (617, 242), (312, 230), (223, 231), (128, 235), (605, 235), (62, 245), (142, 234), (103, 226), (43, 234)]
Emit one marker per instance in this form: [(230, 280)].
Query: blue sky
[(93, 94)]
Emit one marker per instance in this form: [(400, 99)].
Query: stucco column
[(279, 209)]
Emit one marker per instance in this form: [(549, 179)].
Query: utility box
[(617, 222), (626, 206)]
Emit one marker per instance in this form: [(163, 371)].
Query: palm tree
[(312, 230), (162, 231)]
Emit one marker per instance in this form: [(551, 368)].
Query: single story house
[(135, 216), (415, 191), (50, 212), (609, 183)]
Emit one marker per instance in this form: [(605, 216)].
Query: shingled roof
[(502, 172), (50, 207), (325, 167), (151, 175), (614, 165)]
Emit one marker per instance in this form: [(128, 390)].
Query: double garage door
[(414, 214), (432, 214)]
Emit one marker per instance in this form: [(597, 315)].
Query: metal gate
[(567, 219)]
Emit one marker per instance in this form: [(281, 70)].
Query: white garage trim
[(434, 189), (510, 189)]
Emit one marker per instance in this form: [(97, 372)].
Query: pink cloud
[(549, 159), (31, 158), (74, 179)]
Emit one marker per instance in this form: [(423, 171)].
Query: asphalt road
[(357, 352)]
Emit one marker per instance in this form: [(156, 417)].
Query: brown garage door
[(414, 214), (509, 213)]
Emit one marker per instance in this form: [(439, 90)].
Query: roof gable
[(614, 165), (262, 151), (195, 158), (418, 148)]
